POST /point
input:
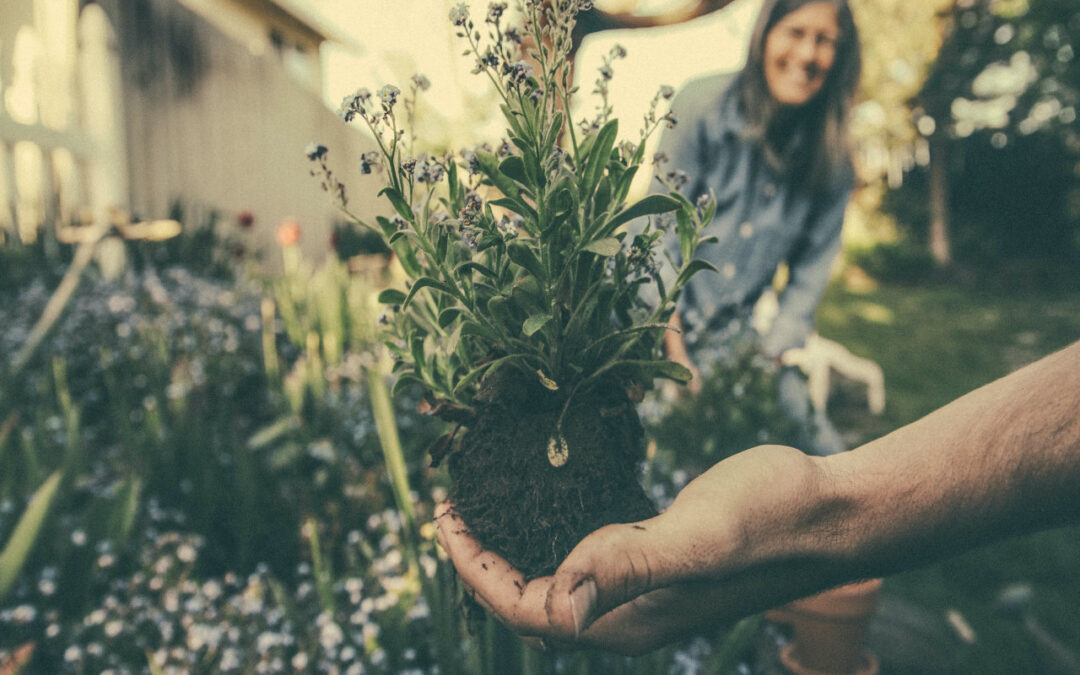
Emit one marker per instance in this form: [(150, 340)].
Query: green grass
[(934, 344)]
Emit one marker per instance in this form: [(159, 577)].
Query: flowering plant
[(517, 257)]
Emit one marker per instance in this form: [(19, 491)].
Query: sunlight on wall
[(670, 56), (56, 23), (664, 56), (20, 97), (29, 164), (402, 37), (46, 126)]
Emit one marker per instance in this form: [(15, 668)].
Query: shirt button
[(746, 230), (728, 271)]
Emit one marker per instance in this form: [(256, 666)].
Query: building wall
[(197, 119), (212, 126)]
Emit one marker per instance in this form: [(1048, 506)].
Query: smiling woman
[(771, 143), (799, 53)]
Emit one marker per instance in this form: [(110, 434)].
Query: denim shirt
[(762, 220)]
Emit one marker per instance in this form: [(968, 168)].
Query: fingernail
[(582, 599)]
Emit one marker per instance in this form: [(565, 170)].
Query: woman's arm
[(771, 524)]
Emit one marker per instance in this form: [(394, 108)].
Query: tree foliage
[(1000, 100)]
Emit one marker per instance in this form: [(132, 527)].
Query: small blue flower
[(459, 14), (314, 151), (369, 161), (516, 72), (388, 94), (495, 11)]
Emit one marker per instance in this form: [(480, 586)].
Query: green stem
[(57, 302), (386, 424)]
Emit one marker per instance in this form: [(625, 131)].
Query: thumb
[(610, 567)]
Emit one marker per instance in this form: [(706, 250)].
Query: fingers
[(610, 567), (694, 385), (495, 584), (601, 596)]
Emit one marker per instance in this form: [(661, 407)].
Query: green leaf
[(516, 205), (512, 120), (396, 349), (407, 257), (426, 282), (489, 165), (535, 323), (501, 309), (387, 227), (399, 203), (127, 507), (626, 332), (663, 368), (710, 210), (450, 344), (483, 370), (598, 157), (392, 296), (26, 532), (469, 378), (505, 360), (469, 266), (478, 329), (514, 167), (522, 254), (622, 185), (404, 380), (605, 247), (693, 268), (452, 180), (602, 198), (553, 133), (273, 432), (648, 206), (416, 348), (447, 316), (534, 177), (442, 242)]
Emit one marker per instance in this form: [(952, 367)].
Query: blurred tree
[(1007, 79)]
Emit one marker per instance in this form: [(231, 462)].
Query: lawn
[(935, 343)]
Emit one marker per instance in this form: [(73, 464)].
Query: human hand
[(630, 588), (675, 349)]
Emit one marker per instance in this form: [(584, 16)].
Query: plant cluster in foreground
[(518, 257)]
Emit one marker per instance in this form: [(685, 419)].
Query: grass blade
[(26, 533)]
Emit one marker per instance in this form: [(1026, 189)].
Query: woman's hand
[(675, 349), (630, 588)]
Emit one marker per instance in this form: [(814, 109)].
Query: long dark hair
[(822, 122)]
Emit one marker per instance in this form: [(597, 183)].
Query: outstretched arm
[(771, 524)]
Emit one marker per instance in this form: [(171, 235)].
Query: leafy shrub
[(737, 408), (155, 386), (900, 262)]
